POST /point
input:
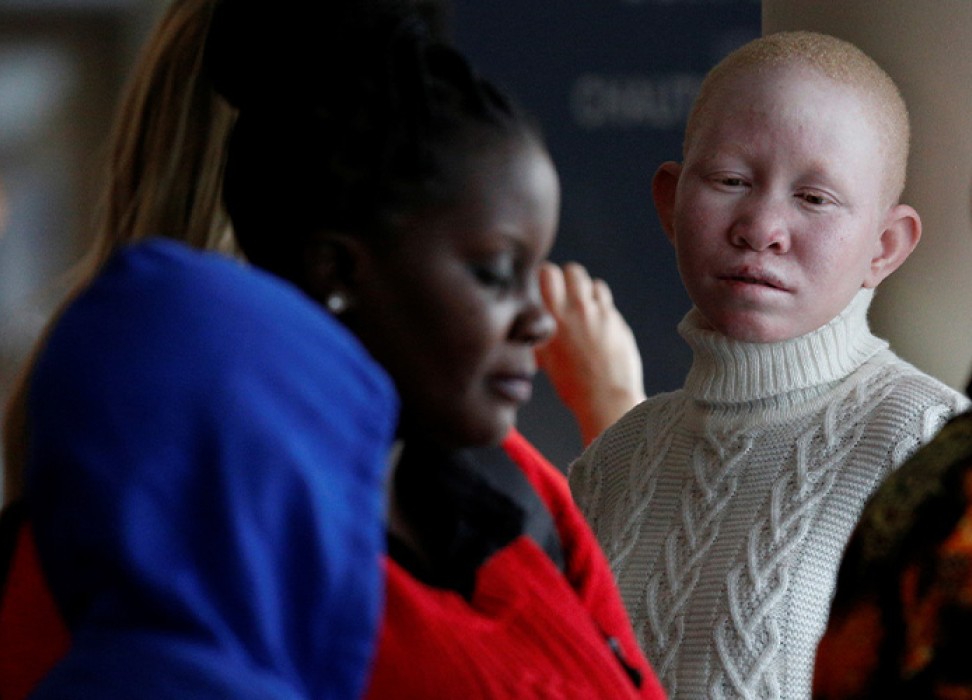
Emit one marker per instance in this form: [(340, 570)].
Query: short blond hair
[(836, 59)]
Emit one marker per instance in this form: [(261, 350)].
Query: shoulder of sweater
[(620, 438), (912, 406), (649, 408), (525, 453), (907, 380), (549, 481)]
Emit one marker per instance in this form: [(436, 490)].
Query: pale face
[(778, 210), (451, 306)]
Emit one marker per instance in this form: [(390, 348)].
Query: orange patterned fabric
[(901, 621)]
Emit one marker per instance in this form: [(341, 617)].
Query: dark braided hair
[(350, 112)]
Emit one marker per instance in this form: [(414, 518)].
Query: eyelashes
[(498, 276), (503, 271)]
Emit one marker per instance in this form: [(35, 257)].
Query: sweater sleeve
[(608, 473), (585, 485), (586, 567)]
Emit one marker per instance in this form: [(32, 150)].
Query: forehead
[(508, 191), (784, 107), (837, 59)]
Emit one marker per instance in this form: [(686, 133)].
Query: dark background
[(611, 83)]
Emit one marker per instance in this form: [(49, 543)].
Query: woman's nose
[(762, 225), (535, 324)]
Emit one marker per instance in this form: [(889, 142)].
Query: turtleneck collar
[(725, 370)]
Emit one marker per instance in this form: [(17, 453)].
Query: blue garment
[(205, 481)]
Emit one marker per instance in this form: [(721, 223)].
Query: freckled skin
[(450, 303), (779, 205)]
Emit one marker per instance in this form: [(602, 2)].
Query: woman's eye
[(728, 181), (814, 198), (500, 274)]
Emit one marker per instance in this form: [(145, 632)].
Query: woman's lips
[(517, 388), (761, 279)]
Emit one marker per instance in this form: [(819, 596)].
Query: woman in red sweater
[(374, 168)]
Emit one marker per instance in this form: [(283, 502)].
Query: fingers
[(571, 289), (602, 293), (593, 360), (553, 288), (581, 289), (578, 284)]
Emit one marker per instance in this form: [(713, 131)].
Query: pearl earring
[(337, 303)]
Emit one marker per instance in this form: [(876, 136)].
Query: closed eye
[(493, 278), (816, 199), (728, 181), (500, 272)]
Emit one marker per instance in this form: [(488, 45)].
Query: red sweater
[(528, 631), (32, 635)]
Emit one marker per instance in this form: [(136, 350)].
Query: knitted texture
[(724, 507), (528, 631)]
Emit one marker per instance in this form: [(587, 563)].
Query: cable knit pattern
[(724, 507)]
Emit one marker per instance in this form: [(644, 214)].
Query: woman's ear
[(901, 233), (663, 188), (329, 265)]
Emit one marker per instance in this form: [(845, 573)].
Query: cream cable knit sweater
[(724, 507)]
